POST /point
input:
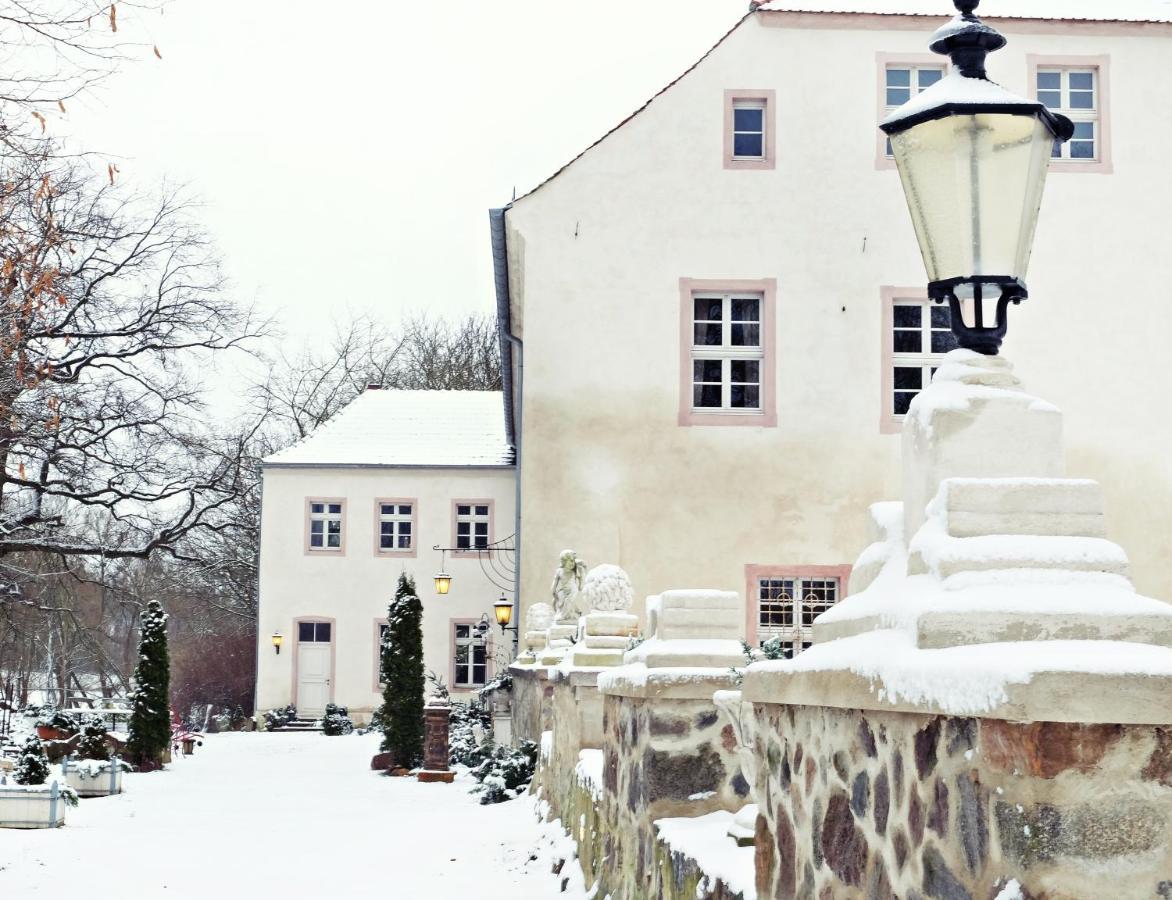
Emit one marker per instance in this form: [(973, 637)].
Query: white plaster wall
[(596, 256), (355, 589)]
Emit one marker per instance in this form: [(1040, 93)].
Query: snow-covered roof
[(427, 429), (1085, 10)]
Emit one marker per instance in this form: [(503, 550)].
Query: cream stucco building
[(718, 311), (362, 499)]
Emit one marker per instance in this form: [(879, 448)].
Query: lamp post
[(972, 158)]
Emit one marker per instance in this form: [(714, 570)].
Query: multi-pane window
[(472, 521), (787, 608), (1075, 94), (904, 82), (325, 525), (748, 122), (727, 352), (470, 666), (313, 632), (921, 334), (395, 523)]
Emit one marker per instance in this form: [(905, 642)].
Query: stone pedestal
[(606, 636), (560, 642), (436, 719)]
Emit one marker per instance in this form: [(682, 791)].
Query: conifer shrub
[(505, 772), (32, 766), (150, 718), (336, 721), (92, 744), (401, 672)]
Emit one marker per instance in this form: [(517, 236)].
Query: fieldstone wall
[(662, 758), (532, 703), (881, 804), (576, 708)]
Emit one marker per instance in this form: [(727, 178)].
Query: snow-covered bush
[(279, 718), (464, 749), (336, 721), (505, 773), (93, 739), (32, 766)]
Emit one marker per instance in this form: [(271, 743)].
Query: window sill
[(725, 418), (401, 554), (749, 162), (1089, 167)]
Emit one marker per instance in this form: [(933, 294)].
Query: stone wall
[(663, 758), (576, 708), (885, 804), (531, 703)]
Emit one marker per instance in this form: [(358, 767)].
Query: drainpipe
[(519, 346)]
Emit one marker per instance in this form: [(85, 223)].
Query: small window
[(727, 352), (1073, 92), (787, 608), (748, 129), (921, 335), (904, 82), (470, 663), (313, 632), (472, 525), (396, 524), (325, 525)]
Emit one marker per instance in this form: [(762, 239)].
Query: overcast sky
[(347, 153)]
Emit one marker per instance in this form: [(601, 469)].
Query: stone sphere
[(608, 589), (539, 617)]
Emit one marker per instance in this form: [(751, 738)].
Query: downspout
[(259, 532), (512, 410)]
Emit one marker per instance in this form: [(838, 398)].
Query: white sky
[(347, 153)]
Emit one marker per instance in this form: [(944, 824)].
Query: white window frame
[(914, 88), (473, 518), (1093, 115), (727, 352), (926, 360), (472, 641), (325, 516), (396, 520), (799, 604), (751, 103)]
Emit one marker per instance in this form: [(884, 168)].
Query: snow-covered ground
[(301, 815)]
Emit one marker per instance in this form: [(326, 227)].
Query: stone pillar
[(436, 716)]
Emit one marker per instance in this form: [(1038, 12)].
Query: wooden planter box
[(91, 778), (40, 807)]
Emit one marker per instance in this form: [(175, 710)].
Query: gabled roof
[(1077, 10), (409, 429)]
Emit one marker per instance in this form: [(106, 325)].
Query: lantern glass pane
[(974, 186)]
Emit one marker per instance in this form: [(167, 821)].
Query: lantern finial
[(967, 40), (966, 7)]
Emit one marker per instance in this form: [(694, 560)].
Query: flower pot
[(93, 778), (49, 733)]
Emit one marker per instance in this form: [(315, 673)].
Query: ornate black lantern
[(973, 157)]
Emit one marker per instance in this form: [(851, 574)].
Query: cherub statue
[(567, 585)]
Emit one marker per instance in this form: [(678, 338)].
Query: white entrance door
[(314, 655)]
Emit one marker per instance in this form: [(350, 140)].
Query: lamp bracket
[(979, 337)]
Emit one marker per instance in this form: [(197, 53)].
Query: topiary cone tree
[(150, 718), (401, 667), (32, 766)]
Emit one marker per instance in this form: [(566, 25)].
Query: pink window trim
[(1103, 165), (767, 287), (333, 623), (398, 554), (889, 422), (322, 551), (754, 572), (491, 523), (378, 623), (882, 61), (769, 161), (452, 623)]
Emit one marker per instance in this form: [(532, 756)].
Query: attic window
[(749, 121)]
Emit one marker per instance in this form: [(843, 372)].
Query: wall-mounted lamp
[(277, 640), (443, 581), (503, 610)]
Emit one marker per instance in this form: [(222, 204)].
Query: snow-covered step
[(1056, 507)]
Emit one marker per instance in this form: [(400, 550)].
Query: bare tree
[(108, 305)]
